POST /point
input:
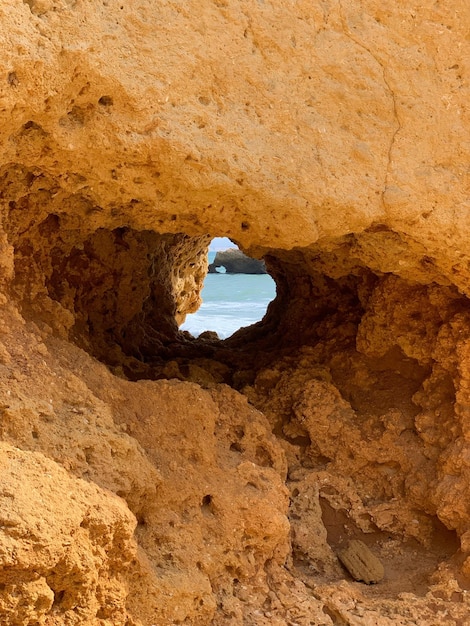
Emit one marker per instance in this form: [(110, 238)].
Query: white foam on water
[(230, 302)]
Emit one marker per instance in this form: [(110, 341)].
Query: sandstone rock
[(198, 474), (361, 562), (63, 544), (267, 144), (235, 262), (329, 139)]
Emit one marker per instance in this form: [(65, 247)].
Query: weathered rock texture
[(361, 563), (151, 478), (235, 262)]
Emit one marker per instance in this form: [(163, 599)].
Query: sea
[(230, 302)]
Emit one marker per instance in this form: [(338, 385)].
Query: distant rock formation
[(235, 262)]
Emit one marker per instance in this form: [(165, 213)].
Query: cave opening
[(120, 293), (236, 293), (123, 295)]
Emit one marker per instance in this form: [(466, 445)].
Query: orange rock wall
[(151, 478)]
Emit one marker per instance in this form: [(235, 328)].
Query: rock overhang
[(330, 142), (325, 128)]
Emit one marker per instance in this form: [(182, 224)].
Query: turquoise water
[(231, 301)]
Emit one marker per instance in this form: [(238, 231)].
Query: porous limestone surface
[(149, 478), (61, 538), (275, 123)]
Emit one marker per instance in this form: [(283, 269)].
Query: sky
[(221, 243)]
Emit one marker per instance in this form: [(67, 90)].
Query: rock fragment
[(361, 563)]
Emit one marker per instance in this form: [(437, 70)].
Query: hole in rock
[(121, 294), (13, 79), (105, 101), (237, 291), (207, 506), (126, 296), (58, 597)]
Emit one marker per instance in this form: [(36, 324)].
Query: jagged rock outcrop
[(139, 487), (235, 262)]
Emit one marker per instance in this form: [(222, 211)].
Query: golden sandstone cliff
[(149, 478)]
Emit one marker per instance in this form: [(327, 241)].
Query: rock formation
[(150, 478), (235, 262)]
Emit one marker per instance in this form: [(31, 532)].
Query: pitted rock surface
[(151, 478)]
